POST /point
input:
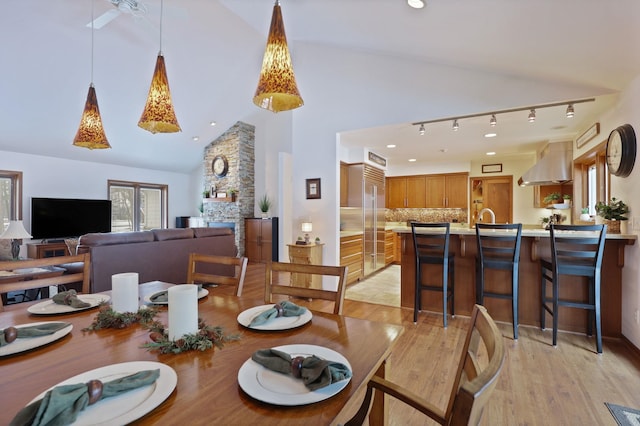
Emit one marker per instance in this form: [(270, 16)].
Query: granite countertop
[(350, 233)]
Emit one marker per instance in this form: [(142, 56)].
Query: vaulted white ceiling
[(213, 51)]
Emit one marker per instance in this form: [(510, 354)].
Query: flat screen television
[(56, 218)]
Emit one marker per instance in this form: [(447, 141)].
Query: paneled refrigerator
[(366, 190)]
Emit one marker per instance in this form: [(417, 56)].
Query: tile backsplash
[(426, 215)]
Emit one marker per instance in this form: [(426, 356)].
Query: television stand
[(48, 249)]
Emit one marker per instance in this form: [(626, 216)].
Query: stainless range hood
[(553, 167)]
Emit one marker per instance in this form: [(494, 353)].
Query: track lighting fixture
[(493, 121)]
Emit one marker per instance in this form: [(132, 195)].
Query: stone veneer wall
[(237, 145)]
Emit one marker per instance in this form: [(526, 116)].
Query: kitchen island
[(535, 242)]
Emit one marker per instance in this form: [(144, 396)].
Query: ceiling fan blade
[(104, 19)]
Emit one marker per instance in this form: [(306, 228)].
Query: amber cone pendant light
[(277, 90), (90, 132), (158, 115)]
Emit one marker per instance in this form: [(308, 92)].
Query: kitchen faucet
[(486, 210)]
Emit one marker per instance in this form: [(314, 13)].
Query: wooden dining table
[(207, 390)]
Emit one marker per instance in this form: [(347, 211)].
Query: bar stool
[(575, 250), (431, 245), (499, 248)]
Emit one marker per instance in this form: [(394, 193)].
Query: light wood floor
[(539, 384)]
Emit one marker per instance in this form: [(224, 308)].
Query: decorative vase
[(613, 226), (585, 217), (265, 215)]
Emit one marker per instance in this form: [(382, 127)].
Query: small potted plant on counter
[(613, 214), (567, 199), (584, 215), (264, 204)]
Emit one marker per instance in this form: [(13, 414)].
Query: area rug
[(381, 288), (624, 416)]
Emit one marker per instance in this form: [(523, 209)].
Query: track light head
[(532, 116), (455, 126), (570, 111), (493, 121), (422, 130)]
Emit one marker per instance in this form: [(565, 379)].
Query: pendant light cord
[(161, 12), (92, 3)]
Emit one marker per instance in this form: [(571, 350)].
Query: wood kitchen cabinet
[(261, 239), (389, 247), (351, 256), (310, 254), (540, 192), (447, 191), (344, 184), (406, 192)]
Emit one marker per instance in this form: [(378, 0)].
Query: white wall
[(61, 178)]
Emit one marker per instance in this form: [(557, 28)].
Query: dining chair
[(476, 377), (44, 272), (575, 250), (273, 285), (220, 270), (499, 248), (431, 246)]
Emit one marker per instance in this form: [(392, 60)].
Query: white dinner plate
[(49, 307), (125, 408), (201, 293), (283, 389), (21, 345), (280, 323)]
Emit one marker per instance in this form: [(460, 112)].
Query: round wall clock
[(621, 150), (220, 166)]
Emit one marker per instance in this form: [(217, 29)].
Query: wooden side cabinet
[(42, 250), (351, 249), (261, 239), (389, 247), (310, 254)]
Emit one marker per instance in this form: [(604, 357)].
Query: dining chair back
[(274, 285), (431, 246), (479, 365), (219, 270), (575, 250), (499, 248), (45, 272)]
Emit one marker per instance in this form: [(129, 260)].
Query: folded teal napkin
[(70, 298), (282, 309), (163, 296), (10, 334), (62, 404), (315, 372)]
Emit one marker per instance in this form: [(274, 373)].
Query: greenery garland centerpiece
[(108, 318), (206, 337)]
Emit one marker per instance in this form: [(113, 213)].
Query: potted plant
[(613, 213), (552, 198), (264, 204), (584, 214), (545, 222), (566, 198), (233, 193)]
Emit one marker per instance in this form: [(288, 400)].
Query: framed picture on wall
[(313, 189)]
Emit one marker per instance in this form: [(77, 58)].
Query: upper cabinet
[(428, 191), (344, 184), (406, 192)]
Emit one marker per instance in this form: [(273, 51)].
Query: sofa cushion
[(110, 238), (211, 232), (172, 234)]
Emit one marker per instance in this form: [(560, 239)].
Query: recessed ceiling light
[(416, 4), (491, 153), (213, 123), (391, 145), (444, 150), (196, 138), (412, 160), (490, 135)]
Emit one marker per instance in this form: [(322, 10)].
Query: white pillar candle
[(183, 310), (124, 292)]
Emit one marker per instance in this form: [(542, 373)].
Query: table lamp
[(15, 232), (306, 228)]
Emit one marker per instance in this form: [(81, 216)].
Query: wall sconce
[(306, 228)]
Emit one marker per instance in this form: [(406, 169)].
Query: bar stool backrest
[(577, 249), (499, 241), (430, 240)]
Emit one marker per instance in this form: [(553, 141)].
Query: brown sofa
[(159, 254)]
